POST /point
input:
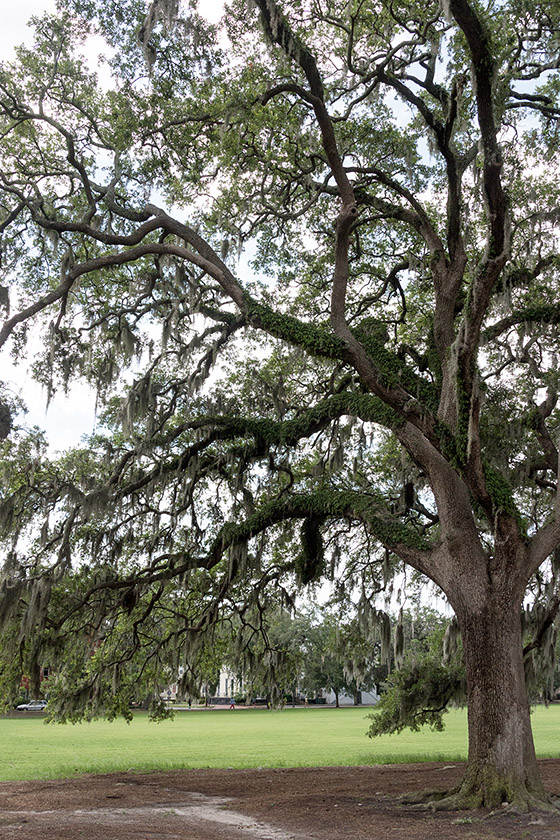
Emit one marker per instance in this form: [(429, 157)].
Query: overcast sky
[(15, 16)]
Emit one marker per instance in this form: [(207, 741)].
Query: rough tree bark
[(502, 765), (502, 762)]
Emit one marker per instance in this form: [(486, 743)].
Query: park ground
[(330, 803)]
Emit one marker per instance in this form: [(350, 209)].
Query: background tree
[(306, 653), (273, 662), (350, 659), (387, 382)]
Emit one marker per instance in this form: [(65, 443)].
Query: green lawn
[(240, 738)]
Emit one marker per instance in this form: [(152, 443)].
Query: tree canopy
[(308, 260)]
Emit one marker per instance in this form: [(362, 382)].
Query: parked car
[(32, 706)]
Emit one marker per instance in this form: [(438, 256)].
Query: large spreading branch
[(498, 244), (279, 32)]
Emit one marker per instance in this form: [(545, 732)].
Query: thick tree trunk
[(502, 763)]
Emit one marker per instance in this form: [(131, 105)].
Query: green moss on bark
[(317, 341)]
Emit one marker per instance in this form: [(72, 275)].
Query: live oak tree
[(310, 263)]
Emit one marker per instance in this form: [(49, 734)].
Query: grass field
[(241, 738)]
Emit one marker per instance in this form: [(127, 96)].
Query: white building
[(367, 698), (229, 685)]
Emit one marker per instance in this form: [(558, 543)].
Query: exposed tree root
[(425, 798), (466, 799)]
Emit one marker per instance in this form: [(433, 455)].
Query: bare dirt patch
[(296, 804)]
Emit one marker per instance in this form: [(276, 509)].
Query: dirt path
[(331, 803)]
